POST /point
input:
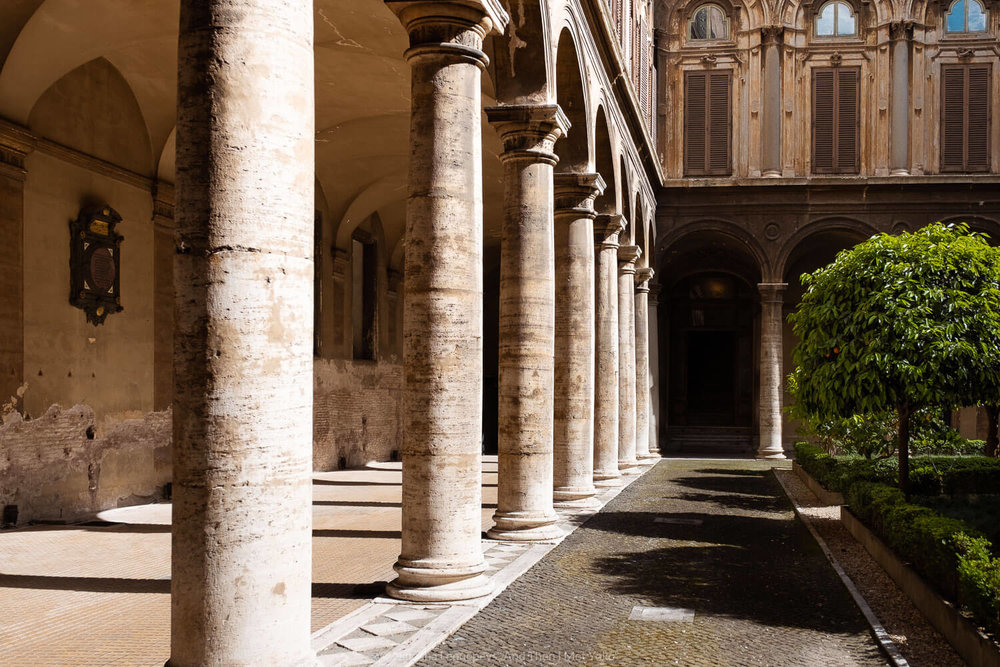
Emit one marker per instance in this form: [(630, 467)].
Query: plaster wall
[(58, 468), (357, 412), (66, 359)]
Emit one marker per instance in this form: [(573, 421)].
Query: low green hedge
[(929, 475), (946, 552)]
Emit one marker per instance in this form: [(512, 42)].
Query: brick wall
[(357, 412), (57, 467)]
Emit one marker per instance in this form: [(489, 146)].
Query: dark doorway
[(711, 378)]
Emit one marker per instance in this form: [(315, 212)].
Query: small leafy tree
[(900, 323)]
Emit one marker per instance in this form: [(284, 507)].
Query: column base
[(649, 459), (607, 479), (438, 584), (770, 453), (524, 527), (629, 467), (575, 499)]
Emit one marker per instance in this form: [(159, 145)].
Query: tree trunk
[(993, 421), (903, 411)]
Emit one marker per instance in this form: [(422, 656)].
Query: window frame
[(837, 35), (725, 17), (965, 31)]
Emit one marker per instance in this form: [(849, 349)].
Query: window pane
[(845, 20), (977, 17), (718, 23), (956, 17), (824, 22), (699, 26)]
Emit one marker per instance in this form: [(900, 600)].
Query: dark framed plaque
[(95, 263)]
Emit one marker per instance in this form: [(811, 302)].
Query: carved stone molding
[(900, 30), (772, 34)]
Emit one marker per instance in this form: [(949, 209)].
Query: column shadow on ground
[(88, 584)]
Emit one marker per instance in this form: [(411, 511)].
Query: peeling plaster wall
[(357, 412), (61, 467)]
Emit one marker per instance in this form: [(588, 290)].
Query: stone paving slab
[(760, 589)]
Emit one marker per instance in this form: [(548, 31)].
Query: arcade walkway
[(715, 541)]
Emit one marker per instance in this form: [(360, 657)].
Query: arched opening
[(607, 202), (571, 149), (708, 340)]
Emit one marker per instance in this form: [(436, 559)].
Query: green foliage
[(979, 581), (909, 319)]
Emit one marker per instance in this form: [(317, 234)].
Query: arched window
[(836, 19), (708, 22), (966, 16)]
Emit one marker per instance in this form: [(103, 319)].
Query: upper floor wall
[(838, 88)]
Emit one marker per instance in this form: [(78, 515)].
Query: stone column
[(242, 424), (899, 129), (642, 403), (771, 378), (163, 295), (442, 556), (654, 370), (15, 145), (627, 257), (771, 104), (527, 322), (606, 231), (573, 440)]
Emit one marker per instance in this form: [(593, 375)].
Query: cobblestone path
[(716, 539)]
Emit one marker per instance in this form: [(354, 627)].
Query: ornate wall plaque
[(94, 263)]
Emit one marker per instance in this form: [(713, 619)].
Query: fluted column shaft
[(606, 231), (627, 257), (642, 403), (771, 302), (899, 132), (441, 557), (573, 435), (527, 322), (242, 422)]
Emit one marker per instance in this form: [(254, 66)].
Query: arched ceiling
[(362, 91)]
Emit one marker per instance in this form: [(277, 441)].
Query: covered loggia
[(708, 335)]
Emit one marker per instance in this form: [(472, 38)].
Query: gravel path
[(716, 542), (917, 640)]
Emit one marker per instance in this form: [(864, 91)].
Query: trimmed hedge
[(929, 475), (946, 552)]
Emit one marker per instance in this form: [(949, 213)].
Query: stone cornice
[(490, 14)]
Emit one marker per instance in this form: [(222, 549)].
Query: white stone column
[(527, 322), (441, 557), (654, 370), (242, 426), (573, 438), (771, 104), (899, 129), (606, 231), (771, 378), (642, 394), (627, 257)]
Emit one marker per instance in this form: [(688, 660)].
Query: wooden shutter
[(707, 123), (965, 117), (835, 120)]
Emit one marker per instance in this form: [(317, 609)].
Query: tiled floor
[(100, 594)]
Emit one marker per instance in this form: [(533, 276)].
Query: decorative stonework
[(95, 263)]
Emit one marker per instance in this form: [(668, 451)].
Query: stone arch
[(522, 69), (742, 16), (978, 223), (110, 125), (752, 263), (380, 193), (571, 94), (639, 226), (625, 207), (835, 227), (604, 163)]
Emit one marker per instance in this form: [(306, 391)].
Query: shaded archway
[(604, 163), (570, 94), (708, 342)]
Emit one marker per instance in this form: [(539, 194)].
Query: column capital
[(900, 30), (627, 257), (772, 292), (16, 142), (529, 131), (642, 276), (772, 34), (451, 30), (575, 193), (607, 227)]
